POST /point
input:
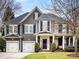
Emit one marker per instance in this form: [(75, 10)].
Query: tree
[(11, 3), (7, 10), (2, 44), (8, 14), (68, 10)]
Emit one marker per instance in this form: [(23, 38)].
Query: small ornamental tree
[(37, 47), (53, 47)]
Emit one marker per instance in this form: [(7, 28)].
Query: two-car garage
[(14, 46)]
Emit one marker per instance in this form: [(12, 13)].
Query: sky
[(28, 5)]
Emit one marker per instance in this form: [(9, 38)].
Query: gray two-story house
[(22, 32)]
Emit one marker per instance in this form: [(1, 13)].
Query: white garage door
[(12, 46), (28, 46)]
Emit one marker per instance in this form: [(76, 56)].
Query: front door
[(44, 43)]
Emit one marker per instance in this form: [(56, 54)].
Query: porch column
[(73, 40), (63, 42), (53, 39), (48, 44), (41, 43), (36, 38), (20, 45), (69, 42)]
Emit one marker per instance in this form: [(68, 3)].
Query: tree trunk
[(76, 50)]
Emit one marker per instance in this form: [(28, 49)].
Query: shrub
[(2, 43), (53, 47), (37, 47), (70, 49)]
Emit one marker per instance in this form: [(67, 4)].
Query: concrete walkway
[(13, 55)]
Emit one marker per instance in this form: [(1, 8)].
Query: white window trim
[(28, 29), (12, 29), (44, 23)]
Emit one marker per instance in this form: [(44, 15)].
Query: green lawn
[(50, 55)]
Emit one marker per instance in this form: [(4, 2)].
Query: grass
[(50, 55)]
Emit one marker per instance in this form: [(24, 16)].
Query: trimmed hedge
[(70, 49)]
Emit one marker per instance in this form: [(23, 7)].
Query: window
[(45, 25), (55, 28), (15, 29), (64, 28), (12, 29), (28, 28), (36, 15), (60, 28)]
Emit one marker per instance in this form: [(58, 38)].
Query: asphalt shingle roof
[(51, 17), (42, 17), (18, 19)]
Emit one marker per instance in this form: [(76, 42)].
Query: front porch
[(61, 41)]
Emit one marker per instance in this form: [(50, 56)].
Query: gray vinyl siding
[(30, 20), (52, 27)]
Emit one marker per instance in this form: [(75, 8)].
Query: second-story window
[(60, 28), (45, 24), (12, 29), (64, 29), (28, 28), (35, 15), (55, 28)]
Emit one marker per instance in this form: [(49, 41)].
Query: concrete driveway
[(13, 55)]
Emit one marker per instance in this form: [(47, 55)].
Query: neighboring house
[(22, 32)]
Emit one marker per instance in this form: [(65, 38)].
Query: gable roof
[(48, 16), (12, 36), (23, 17), (51, 17), (36, 8)]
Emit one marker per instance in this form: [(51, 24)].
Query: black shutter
[(34, 29), (38, 14), (33, 15), (19, 29), (48, 26), (7, 29), (41, 25), (23, 28)]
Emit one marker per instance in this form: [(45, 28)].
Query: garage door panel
[(12, 46), (28, 46)]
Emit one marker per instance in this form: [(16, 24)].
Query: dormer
[(36, 15)]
